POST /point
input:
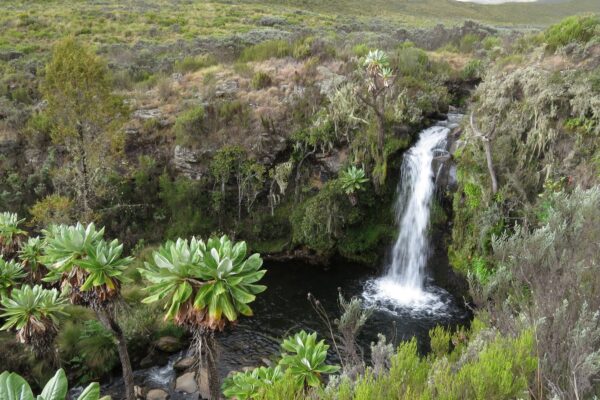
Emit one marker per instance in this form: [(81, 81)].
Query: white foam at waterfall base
[(404, 288), (386, 294)]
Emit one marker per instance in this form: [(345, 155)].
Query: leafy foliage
[(353, 179), (10, 233), (14, 387), (34, 312), (11, 274), (572, 29), (84, 262), (205, 284), (30, 255), (558, 302), (250, 384), (306, 359)]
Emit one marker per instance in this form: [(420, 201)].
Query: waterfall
[(413, 203), (404, 283)]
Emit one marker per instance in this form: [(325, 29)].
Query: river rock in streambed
[(184, 364), (157, 394)]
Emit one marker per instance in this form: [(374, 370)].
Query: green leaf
[(14, 387), (92, 392), (56, 388), (228, 308)]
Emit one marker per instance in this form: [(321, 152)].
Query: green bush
[(575, 29), (87, 348), (265, 50), (194, 63), (472, 70), (491, 41), (261, 80), (189, 126), (182, 201), (468, 43)]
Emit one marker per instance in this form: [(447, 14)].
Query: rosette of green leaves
[(214, 278), (32, 311), (9, 226), (66, 244), (353, 179), (11, 274), (305, 358), (247, 385), (105, 265)]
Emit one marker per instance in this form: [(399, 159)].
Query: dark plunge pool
[(284, 309)]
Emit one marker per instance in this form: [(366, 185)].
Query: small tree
[(34, 312), (91, 271), (85, 114), (206, 287), (11, 236), (379, 80)]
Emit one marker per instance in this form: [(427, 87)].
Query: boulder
[(153, 113), (186, 383), (184, 364), (228, 87), (157, 394), (188, 162), (169, 344)]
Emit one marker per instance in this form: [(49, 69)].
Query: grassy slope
[(29, 26)]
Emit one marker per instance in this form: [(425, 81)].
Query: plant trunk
[(490, 164), (211, 367), (85, 192), (109, 323), (204, 350)]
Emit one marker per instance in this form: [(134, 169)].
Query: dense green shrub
[(182, 209), (468, 43), (472, 70), (194, 63), (261, 80), (575, 29), (318, 221), (265, 50), (189, 126)]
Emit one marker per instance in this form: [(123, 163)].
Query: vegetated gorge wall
[(186, 125)]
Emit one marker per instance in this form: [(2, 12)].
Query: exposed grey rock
[(267, 147), (189, 163), (157, 394), (186, 383), (267, 362), (333, 161), (330, 80), (147, 114), (272, 21), (138, 391), (227, 88)]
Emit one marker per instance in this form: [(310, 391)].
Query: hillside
[(149, 148)]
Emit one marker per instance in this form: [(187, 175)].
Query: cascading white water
[(411, 250), (404, 282)]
